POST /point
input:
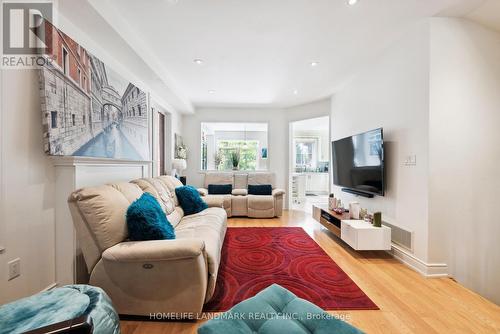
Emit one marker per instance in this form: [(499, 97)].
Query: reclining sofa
[(148, 277), (239, 202)]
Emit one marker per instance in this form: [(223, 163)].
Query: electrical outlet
[(14, 268)]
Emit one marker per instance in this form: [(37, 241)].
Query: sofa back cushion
[(218, 178), (240, 181), (102, 210), (171, 183), (159, 191), (262, 178)]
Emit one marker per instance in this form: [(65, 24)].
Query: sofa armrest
[(278, 192), (239, 192), (202, 191), (155, 250)]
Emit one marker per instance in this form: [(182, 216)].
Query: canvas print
[(88, 109)]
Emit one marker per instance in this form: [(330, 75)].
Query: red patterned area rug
[(255, 257)]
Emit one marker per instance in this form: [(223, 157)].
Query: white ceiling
[(259, 52), (487, 14), (312, 124)]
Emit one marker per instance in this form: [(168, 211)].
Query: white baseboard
[(426, 269)]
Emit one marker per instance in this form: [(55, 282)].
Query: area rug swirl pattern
[(255, 257)]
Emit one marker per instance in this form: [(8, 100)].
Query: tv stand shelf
[(329, 219), (358, 234)]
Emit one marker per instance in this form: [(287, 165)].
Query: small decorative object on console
[(332, 202), (377, 219), (354, 209)]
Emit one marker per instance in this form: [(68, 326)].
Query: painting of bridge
[(89, 109)]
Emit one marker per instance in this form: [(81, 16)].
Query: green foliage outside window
[(248, 150)]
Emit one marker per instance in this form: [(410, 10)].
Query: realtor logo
[(23, 28)]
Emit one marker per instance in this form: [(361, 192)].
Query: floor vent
[(401, 236)]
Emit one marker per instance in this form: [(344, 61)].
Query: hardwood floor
[(408, 302)]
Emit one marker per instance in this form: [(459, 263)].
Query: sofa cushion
[(171, 183), (209, 225), (260, 189), (102, 210), (283, 312), (147, 221), (239, 205), (262, 178), (131, 191), (239, 192), (220, 189), (218, 178), (190, 200), (159, 190), (260, 206), (240, 180)]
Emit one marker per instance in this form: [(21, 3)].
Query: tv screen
[(358, 162)]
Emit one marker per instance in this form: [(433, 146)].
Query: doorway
[(161, 143), (162, 140), (309, 177)]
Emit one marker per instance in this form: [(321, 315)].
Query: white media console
[(358, 234)]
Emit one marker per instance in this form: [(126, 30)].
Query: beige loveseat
[(239, 203), (145, 277)]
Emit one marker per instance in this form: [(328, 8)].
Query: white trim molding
[(426, 269)]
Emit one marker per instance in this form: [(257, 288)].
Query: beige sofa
[(239, 203), (145, 277)]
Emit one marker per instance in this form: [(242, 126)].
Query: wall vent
[(401, 236)]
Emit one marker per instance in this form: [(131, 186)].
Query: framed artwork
[(264, 153), (89, 109)]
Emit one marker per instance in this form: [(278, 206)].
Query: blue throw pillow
[(220, 189), (260, 189), (147, 221), (190, 200)]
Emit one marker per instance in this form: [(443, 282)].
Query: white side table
[(361, 235)]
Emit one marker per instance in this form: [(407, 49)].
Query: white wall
[(27, 185), (27, 180), (465, 152), (393, 92), (278, 128)]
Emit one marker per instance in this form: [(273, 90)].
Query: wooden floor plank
[(408, 302)]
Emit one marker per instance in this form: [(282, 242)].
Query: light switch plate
[(14, 268), (410, 160)]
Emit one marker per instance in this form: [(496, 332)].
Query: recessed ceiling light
[(198, 61), (314, 63), (211, 91), (295, 92), (352, 2)]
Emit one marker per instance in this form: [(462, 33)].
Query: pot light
[(198, 61), (295, 92), (314, 63), (352, 2), (211, 91)]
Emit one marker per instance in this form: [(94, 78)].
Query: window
[(84, 120), (224, 145), (305, 153), (65, 61), (84, 82), (79, 76), (73, 119), (53, 119), (139, 110), (133, 111)]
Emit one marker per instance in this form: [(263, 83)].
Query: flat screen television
[(358, 163)]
